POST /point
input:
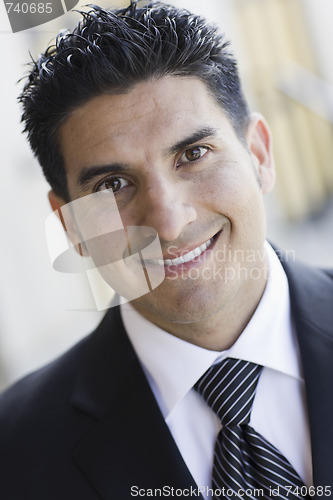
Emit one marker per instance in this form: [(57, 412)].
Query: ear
[(69, 225), (259, 140)]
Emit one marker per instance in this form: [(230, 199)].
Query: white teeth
[(190, 256), (178, 260), (187, 257)]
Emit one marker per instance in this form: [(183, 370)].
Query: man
[(143, 107)]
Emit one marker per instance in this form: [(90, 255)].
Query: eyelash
[(192, 148), (111, 179), (179, 162)]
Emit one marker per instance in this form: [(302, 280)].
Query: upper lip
[(180, 252)]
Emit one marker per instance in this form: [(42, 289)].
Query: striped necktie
[(243, 461)]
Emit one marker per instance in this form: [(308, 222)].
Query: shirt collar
[(172, 365)]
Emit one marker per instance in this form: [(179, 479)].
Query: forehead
[(154, 113)]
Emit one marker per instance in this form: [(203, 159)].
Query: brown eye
[(113, 184), (194, 153)]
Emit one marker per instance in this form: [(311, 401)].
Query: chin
[(187, 307)]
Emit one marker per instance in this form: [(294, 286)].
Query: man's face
[(174, 163)]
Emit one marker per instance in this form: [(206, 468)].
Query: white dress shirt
[(173, 366)]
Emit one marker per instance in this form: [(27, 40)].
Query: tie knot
[(229, 388)]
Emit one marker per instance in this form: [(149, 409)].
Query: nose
[(168, 208)]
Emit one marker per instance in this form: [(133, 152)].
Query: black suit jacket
[(87, 426)]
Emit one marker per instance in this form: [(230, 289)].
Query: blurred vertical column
[(288, 88)]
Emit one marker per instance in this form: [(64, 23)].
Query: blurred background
[(284, 53)]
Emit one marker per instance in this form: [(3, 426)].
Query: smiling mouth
[(189, 256)]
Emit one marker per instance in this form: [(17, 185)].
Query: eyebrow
[(89, 173), (199, 135), (86, 174)]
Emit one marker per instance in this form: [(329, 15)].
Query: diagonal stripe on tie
[(243, 459)]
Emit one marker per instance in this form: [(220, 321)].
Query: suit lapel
[(311, 293), (129, 428), (130, 444)]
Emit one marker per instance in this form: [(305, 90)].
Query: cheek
[(229, 188), (107, 248), (234, 193)]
